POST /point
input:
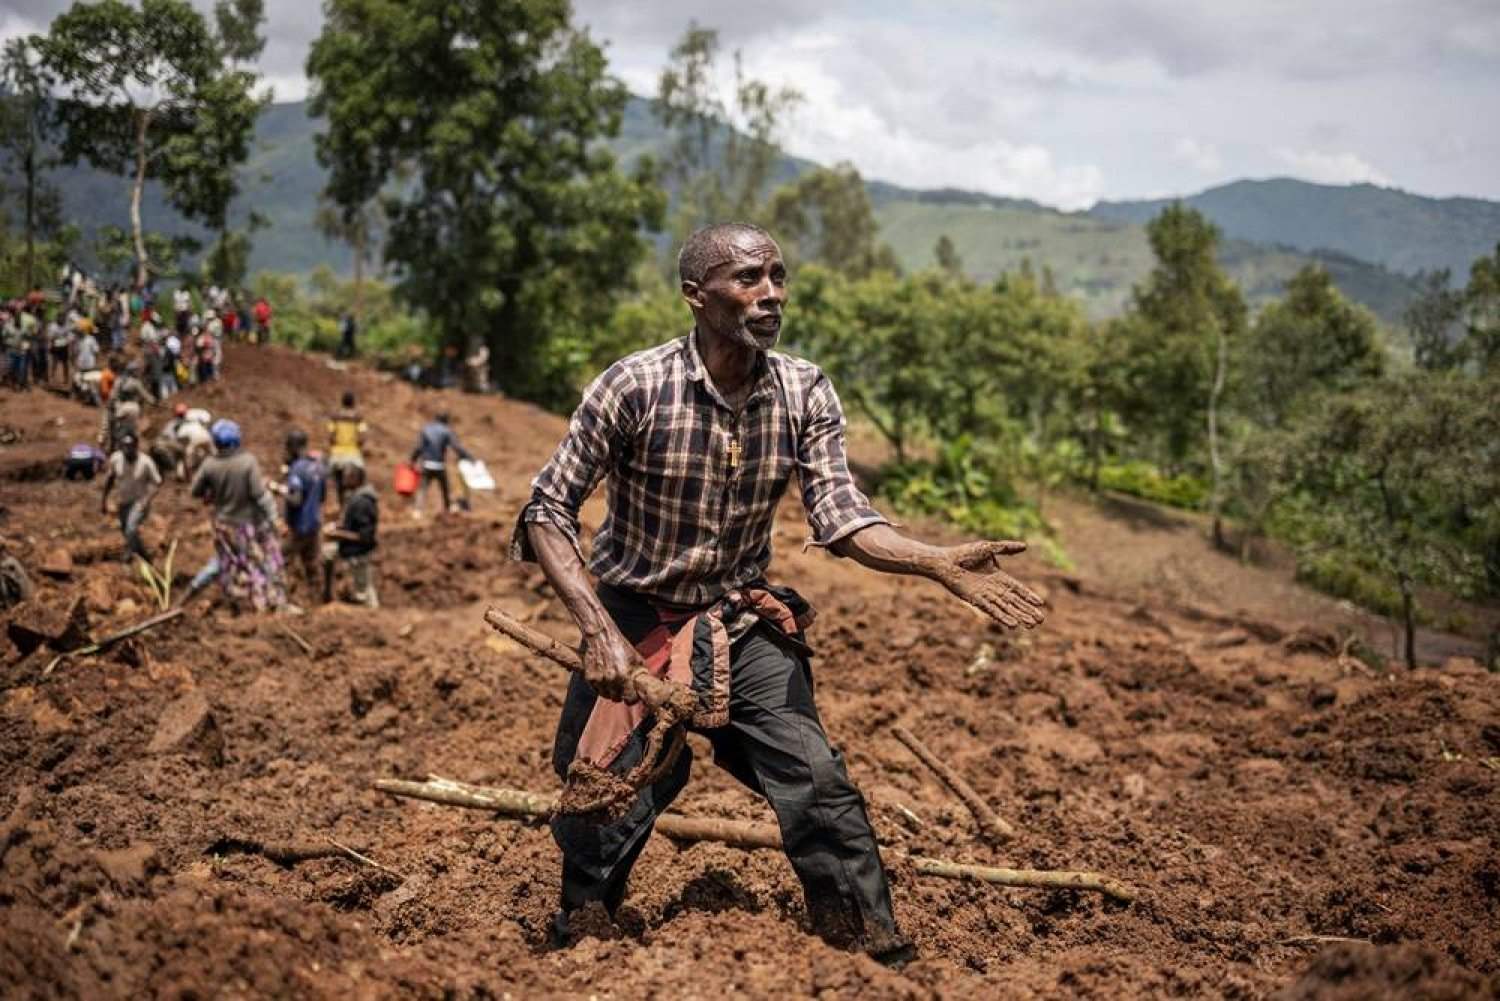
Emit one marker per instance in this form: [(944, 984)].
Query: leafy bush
[(1142, 479), (961, 487), (1338, 574)]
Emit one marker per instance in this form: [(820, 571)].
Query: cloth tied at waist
[(691, 647)]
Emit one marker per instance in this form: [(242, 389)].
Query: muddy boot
[(890, 949), (559, 934)]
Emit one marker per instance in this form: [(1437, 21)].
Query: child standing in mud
[(698, 439)]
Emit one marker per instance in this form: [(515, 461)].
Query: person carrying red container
[(430, 457)]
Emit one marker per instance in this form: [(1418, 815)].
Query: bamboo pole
[(995, 829), (742, 834)]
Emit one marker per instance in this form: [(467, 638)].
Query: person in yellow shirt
[(346, 439)]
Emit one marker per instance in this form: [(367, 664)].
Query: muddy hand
[(975, 576), (608, 663)]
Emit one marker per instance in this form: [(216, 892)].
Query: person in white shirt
[(182, 306), (171, 355), (60, 346)]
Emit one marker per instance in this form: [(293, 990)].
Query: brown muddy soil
[(1269, 799)]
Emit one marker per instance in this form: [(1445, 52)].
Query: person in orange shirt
[(107, 377)]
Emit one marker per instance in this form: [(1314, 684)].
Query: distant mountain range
[(1371, 239), (1402, 231)]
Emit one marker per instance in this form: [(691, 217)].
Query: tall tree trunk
[(1409, 618), (360, 240), (1403, 577), (1216, 495), (142, 122)]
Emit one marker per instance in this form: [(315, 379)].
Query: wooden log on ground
[(292, 635), (742, 834), (1058, 879), (994, 829), (115, 637)]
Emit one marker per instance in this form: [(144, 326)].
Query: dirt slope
[(1260, 791)]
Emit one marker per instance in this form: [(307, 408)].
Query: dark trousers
[(775, 745), (440, 476), (131, 517)]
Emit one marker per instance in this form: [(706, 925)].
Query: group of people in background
[(258, 522), (77, 336), (113, 350)]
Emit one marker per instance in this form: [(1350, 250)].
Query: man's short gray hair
[(709, 247)]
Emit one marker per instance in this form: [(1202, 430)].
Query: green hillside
[(1402, 231), (1098, 260), (1095, 256)]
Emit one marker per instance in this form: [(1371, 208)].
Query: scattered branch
[(995, 829), (113, 638), (740, 834), (1321, 939), (292, 635)]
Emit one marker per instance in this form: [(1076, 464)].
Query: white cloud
[(1331, 168), (1202, 156), (1075, 98)]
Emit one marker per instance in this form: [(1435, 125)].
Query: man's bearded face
[(744, 295)]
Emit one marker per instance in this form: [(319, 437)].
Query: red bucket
[(407, 479)]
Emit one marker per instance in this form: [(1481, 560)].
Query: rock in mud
[(188, 727), (57, 564), (128, 867)]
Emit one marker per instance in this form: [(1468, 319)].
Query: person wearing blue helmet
[(246, 523)]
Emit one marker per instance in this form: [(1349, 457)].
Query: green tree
[(1312, 339), (115, 250), (1379, 472), (361, 230), (946, 254), (825, 217), (24, 124), (1481, 312), (1186, 320), (1432, 322), (138, 84), (220, 141), (878, 339), (516, 226), (722, 154)]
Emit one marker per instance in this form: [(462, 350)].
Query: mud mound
[(1261, 794), (1348, 972)]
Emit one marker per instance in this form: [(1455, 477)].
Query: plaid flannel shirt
[(693, 487)]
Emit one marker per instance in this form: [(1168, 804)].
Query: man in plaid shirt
[(698, 439)]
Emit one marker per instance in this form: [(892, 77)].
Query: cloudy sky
[(1070, 101)]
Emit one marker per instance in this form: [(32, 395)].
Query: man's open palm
[(977, 579)]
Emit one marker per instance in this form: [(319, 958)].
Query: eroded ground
[(1263, 793)]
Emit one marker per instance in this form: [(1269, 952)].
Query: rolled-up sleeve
[(835, 506), (584, 456)]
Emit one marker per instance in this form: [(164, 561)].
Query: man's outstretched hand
[(972, 572)]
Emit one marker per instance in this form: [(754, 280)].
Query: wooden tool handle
[(655, 692), (534, 640)]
